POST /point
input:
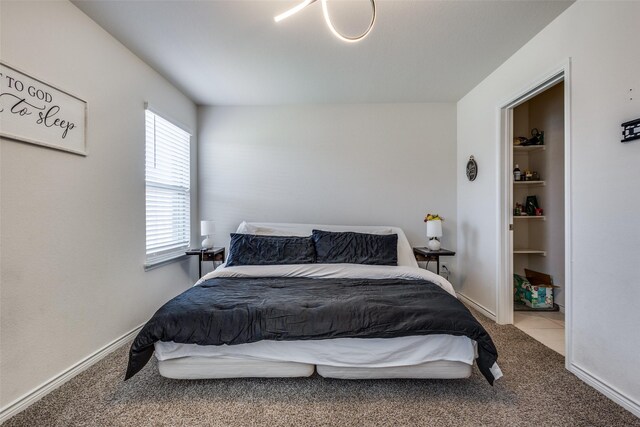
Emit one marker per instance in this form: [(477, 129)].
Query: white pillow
[(247, 228), (303, 230)]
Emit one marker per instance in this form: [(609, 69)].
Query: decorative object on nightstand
[(207, 228), (434, 230)]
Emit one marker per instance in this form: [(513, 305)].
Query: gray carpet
[(535, 391)]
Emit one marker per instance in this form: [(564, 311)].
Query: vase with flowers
[(434, 230)]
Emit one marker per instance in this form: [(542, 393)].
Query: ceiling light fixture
[(327, 18)]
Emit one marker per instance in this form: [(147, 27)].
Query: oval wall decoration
[(472, 169)]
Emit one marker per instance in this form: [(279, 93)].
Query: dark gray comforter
[(244, 310)]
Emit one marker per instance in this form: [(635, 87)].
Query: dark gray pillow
[(249, 249), (355, 248)]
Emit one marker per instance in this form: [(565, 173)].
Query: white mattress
[(439, 369), (191, 368)]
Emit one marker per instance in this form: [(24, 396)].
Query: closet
[(538, 203)]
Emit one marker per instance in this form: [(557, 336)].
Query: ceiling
[(233, 53)]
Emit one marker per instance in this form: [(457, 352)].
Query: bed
[(344, 320)]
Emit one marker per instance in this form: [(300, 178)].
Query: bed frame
[(202, 367)]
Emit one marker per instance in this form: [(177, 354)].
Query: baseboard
[(610, 392), (23, 402), (482, 309)]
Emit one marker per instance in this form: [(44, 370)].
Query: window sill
[(157, 264)]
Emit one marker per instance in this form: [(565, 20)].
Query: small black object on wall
[(631, 130), (472, 169)]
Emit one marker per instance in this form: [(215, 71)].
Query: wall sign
[(631, 130), (35, 112)]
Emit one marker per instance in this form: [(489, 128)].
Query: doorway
[(535, 199)]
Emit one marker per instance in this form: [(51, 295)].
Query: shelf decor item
[(531, 205), (537, 138), (538, 291), (434, 230), (207, 228)]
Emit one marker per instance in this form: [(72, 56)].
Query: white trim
[(552, 77), (504, 297), (568, 219), (176, 257), (23, 402), (481, 308), (504, 300), (504, 293), (604, 388)]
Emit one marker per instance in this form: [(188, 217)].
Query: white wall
[(598, 37), (73, 228), (385, 164)]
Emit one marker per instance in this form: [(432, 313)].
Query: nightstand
[(212, 254), (426, 254)]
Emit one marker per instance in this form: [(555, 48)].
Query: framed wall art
[(36, 112)]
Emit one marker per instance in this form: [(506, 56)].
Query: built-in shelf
[(528, 148), (530, 252), (526, 187), (530, 183)]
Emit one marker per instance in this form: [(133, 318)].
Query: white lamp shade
[(434, 228), (207, 228)]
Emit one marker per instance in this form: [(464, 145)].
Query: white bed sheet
[(331, 271), (343, 352)]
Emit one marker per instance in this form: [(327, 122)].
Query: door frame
[(504, 294)]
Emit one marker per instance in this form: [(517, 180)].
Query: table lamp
[(207, 228), (434, 232)]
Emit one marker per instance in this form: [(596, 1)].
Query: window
[(168, 192)]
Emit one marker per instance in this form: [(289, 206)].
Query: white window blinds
[(168, 200)]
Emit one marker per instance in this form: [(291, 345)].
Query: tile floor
[(546, 327)]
